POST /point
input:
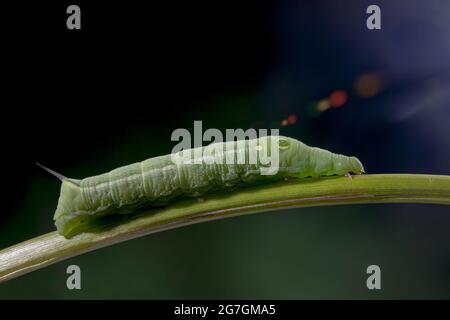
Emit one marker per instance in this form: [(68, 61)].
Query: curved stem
[(383, 188)]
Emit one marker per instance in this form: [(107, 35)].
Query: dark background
[(86, 101)]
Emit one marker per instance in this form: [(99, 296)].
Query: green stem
[(383, 188)]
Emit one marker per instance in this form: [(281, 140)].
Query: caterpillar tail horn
[(53, 173)]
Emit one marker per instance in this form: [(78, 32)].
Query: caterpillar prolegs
[(157, 181)]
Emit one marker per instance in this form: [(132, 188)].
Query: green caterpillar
[(157, 181)]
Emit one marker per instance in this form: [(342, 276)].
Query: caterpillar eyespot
[(158, 181), (283, 144)]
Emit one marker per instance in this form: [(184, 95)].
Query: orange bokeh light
[(368, 85), (323, 105)]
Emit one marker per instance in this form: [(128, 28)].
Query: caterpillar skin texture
[(157, 181)]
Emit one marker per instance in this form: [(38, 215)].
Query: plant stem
[(50, 248)]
